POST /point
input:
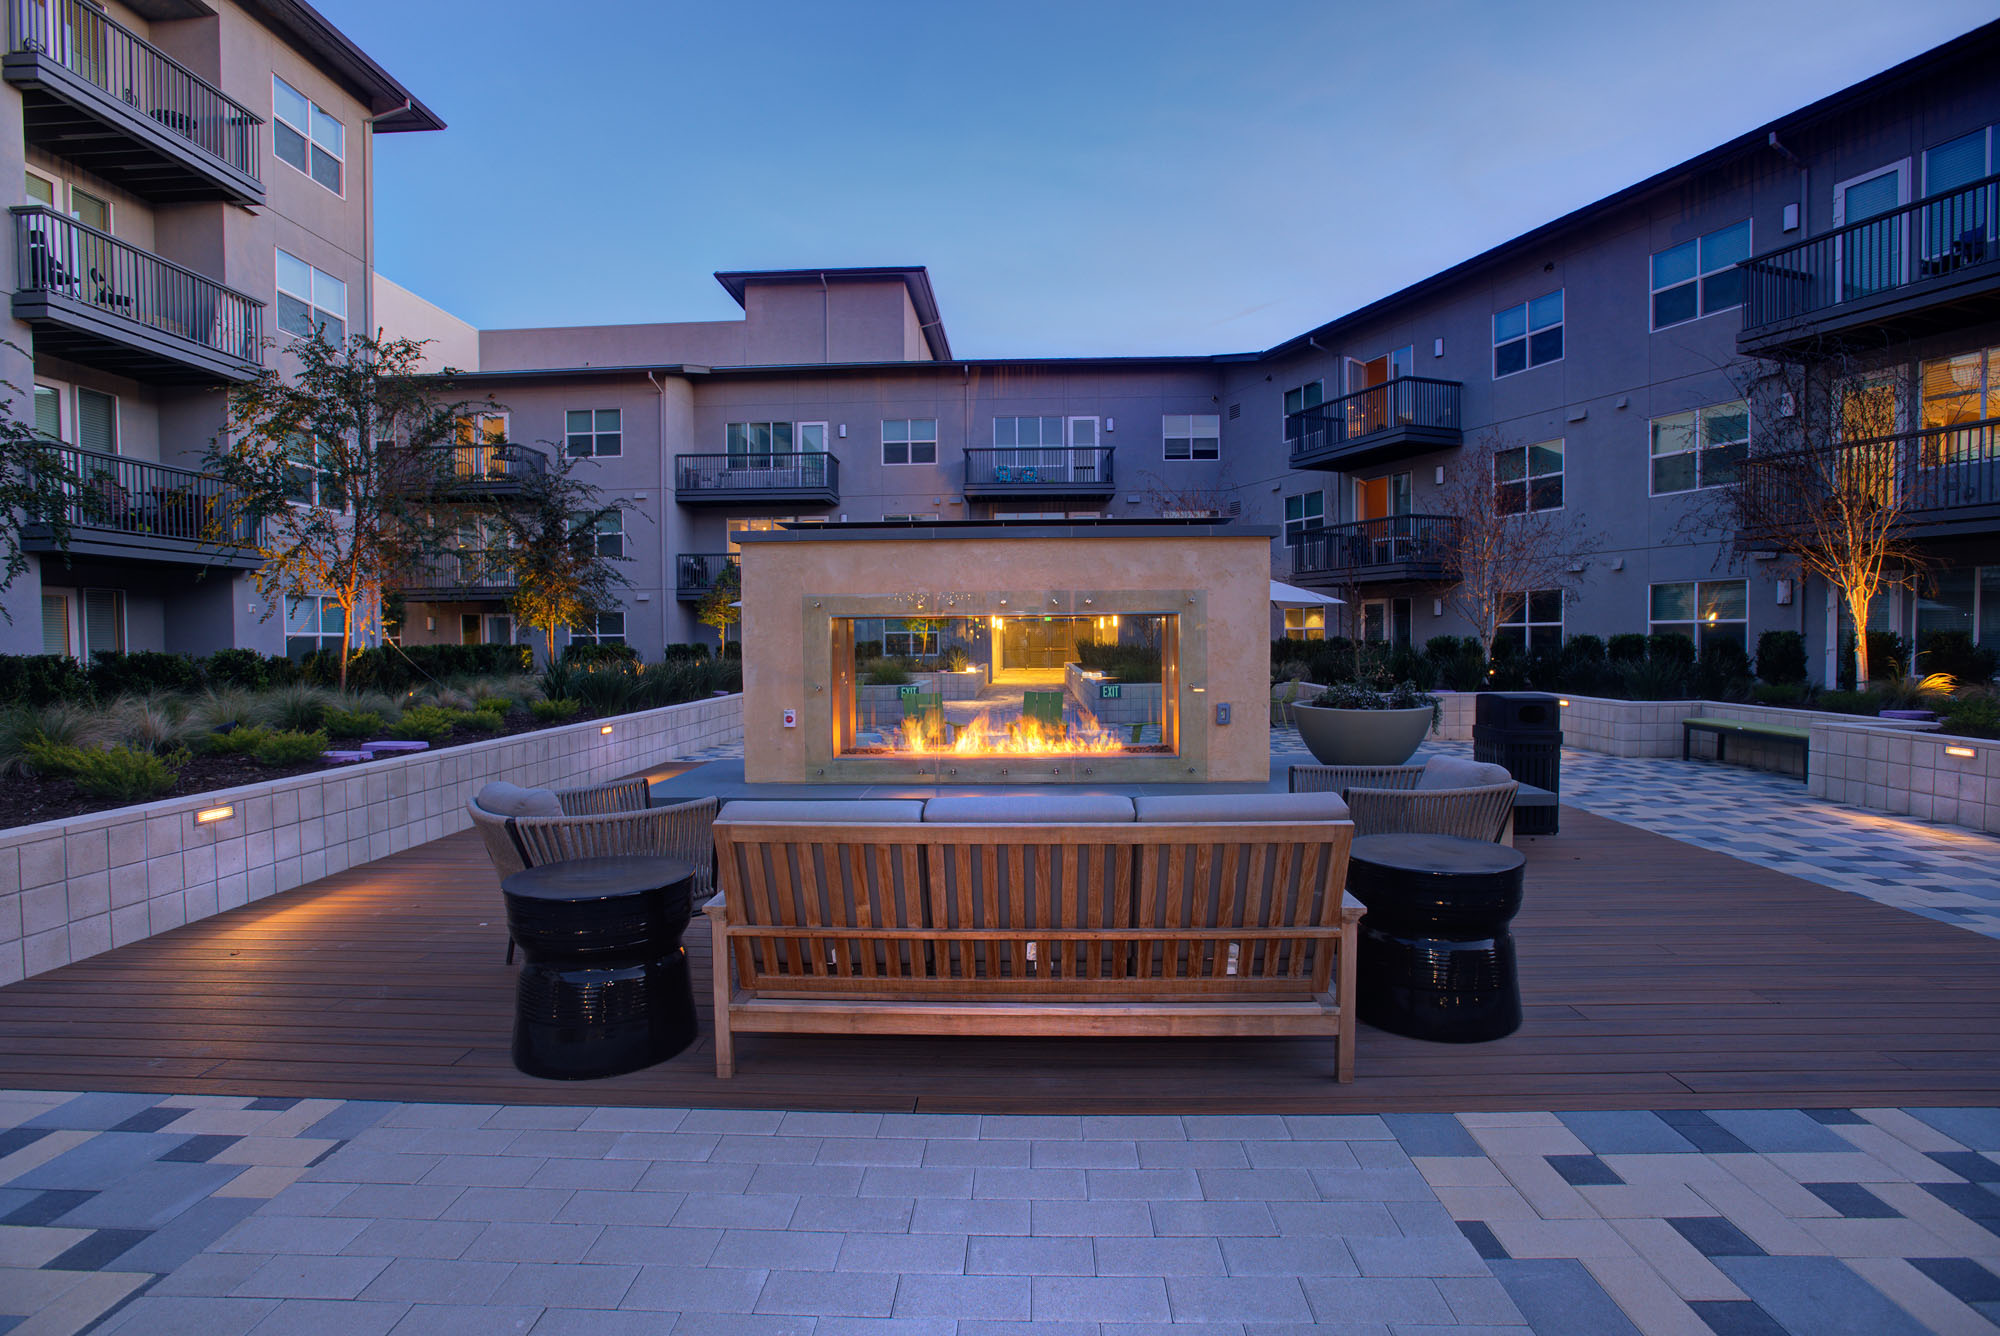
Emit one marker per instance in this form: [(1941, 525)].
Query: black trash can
[(1522, 731)]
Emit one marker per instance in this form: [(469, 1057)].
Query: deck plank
[(1655, 975)]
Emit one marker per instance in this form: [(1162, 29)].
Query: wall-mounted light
[(606, 730), (1960, 751), (1437, 347), (1560, 701), (210, 815), (843, 431), (1111, 424)]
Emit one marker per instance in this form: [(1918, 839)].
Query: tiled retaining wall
[(73, 888), (1908, 773)]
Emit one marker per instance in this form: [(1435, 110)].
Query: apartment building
[(1608, 356), (195, 183)]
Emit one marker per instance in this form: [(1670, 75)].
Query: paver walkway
[(219, 1216)]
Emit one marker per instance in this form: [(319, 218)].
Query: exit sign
[(1110, 690)]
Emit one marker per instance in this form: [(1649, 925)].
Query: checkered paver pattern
[(219, 1216)]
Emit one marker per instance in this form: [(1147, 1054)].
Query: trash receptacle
[(1522, 730)]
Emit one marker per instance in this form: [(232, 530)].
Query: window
[(96, 421), (1305, 623), (1705, 611), (757, 444), (1030, 433), (1700, 277), (1297, 400), (767, 524), (310, 299), (481, 437), (1303, 513), (307, 477), (900, 638), (909, 440), (48, 412), (89, 210), (1192, 435), (306, 135), (611, 534), (55, 623), (313, 623), (41, 190), (1533, 620), (103, 622), (606, 628), (910, 519), (595, 431), (1530, 334), (1957, 229), (1528, 478), (1955, 165), (1701, 447)]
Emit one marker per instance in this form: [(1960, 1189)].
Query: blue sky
[(1081, 177)]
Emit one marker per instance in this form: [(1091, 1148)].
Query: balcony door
[(1373, 412), (1871, 256), (1382, 505)]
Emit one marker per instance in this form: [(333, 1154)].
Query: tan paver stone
[(1560, 1238), (36, 1245), (1833, 1168), (1532, 1140), (1777, 1187), (1646, 1297), (1486, 1204), (1680, 1263), (1926, 1300), (40, 1151), (262, 1180), (298, 1151), (222, 1122), (30, 1289), (1459, 1171), (89, 1298), (1636, 1201), (1646, 1169), (1768, 1227), (1913, 1132), (1515, 1119), (1546, 1190), (1875, 1238), (1962, 1237), (1895, 1152), (292, 1121), (206, 1101)]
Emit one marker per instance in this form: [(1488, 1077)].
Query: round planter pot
[(1362, 737)]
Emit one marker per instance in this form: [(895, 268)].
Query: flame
[(1019, 735)]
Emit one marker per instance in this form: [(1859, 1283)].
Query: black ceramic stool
[(1437, 958), (605, 987)]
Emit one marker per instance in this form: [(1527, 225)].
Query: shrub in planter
[(357, 725), (1626, 647), (239, 741), (141, 672), (554, 711), (612, 689), (1781, 656), (1785, 695), (955, 659), (1955, 652), (1851, 702), (1974, 715), (587, 653), (1353, 724), (248, 669), (883, 673), (483, 721), (1670, 647), (1654, 679), (300, 707), (1127, 663), (1721, 672), (426, 723), (117, 773), (42, 679), (692, 650), (288, 748)]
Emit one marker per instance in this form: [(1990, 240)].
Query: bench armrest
[(1341, 778)]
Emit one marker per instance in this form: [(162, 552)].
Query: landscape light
[(606, 730), (1960, 751), (211, 814)]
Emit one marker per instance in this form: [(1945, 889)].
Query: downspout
[(666, 546), (825, 321)]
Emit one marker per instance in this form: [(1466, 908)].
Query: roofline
[(693, 370), (916, 278), (1750, 141), (395, 108)]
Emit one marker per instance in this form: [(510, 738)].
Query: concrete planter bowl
[(1362, 737)]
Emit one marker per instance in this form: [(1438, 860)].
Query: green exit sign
[(909, 692), (1110, 690)]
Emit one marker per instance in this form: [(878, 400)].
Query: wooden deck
[(1656, 975)]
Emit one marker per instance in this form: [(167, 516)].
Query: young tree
[(340, 468), (720, 606), (1502, 542), (549, 546), (36, 487)]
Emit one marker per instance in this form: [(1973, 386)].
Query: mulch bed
[(25, 801)]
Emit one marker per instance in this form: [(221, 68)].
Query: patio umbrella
[(1291, 596)]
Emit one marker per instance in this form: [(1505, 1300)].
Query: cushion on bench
[(1242, 807), (1455, 772), (1790, 731), (503, 799), (852, 812), (1030, 809)]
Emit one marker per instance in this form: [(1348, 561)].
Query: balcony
[(757, 479), (1398, 548), (696, 573), (471, 575), (97, 300), (1937, 483), (1410, 415), (1926, 267), (495, 470), (1026, 471), (138, 510), (99, 96)]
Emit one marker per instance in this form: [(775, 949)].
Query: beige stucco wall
[(1220, 587), (402, 314)]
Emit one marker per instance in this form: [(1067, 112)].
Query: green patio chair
[(929, 707), (1046, 706)]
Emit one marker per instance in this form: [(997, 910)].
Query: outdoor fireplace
[(1006, 653)]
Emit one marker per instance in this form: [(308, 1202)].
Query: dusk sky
[(1080, 177)]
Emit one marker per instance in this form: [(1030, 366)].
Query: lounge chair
[(1446, 795)]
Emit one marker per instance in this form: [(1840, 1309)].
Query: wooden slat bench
[(1777, 735), (1128, 928)]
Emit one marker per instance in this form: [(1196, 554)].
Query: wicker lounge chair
[(1443, 796)]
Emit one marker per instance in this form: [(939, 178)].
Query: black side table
[(1437, 959), (605, 987)]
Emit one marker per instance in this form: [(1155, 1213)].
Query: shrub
[(955, 659), (1956, 653), (1401, 696), (248, 669), (554, 711), (588, 653), (1850, 702), (141, 672), (239, 741), (1888, 654), (1654, 679), (228, 707), (1974, 715), (492, 704), (1126, 663), (1584, 649), (884, 673), (426, 723), (397, 668), (1781, 656), (42, 679), (483, 721), (150, 723), (299, 707), (1721, 671), (1626, 647), (288, 747), (352, 724), (117, 773), (1670, 647), (1793, 695), (693, 650), (612, 689)]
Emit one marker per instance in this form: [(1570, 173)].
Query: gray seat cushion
[(1455, 772), (504, 799), (855, 812), (1242, 807), (1030, 809)]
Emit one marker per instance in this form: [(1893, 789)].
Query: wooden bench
[(1777, 735), (1128, 928)]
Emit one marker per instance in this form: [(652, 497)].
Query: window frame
[(1527, 623), (616, 518), (1194, 433), (314, 111), (594, 435), (1526, 338), (1308, 520), (1528, 478), (1695, 447), (909, 442), (317, 314), (1285, 410), (77, 393), (1702, 310), (596, 634), (1696, 630), (321, 637), (770, 455)]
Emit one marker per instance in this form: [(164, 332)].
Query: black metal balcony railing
[(155, 503), (62, 258), (1399, 546), (465, 571), (1039, 469), (695, 573), (757, 473), (497, 462), (97, 49), (1417, 405), (1922, 477), (1931, 239)]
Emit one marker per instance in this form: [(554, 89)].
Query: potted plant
[(1354, 724)]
